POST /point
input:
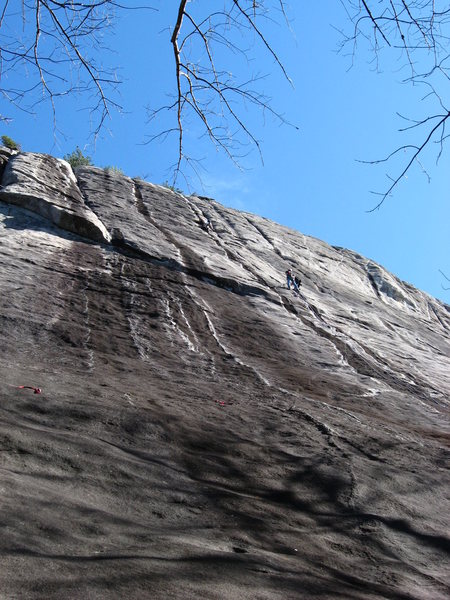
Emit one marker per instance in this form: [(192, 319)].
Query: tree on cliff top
[(61, 47)]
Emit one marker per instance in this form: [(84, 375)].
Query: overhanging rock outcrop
[(47, 186), (202, 431)]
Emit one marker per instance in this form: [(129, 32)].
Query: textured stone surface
[(5, 155), (202, 431), (47, 186)]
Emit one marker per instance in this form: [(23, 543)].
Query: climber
[(297, 281), (291, 279)]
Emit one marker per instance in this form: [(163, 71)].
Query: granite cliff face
[(203, 432)]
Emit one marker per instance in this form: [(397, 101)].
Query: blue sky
[(311, 179)]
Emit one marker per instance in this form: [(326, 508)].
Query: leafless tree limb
[(440, 125), (58, 42), (209, 93), (445, 277), (419, 30), (56, 46)]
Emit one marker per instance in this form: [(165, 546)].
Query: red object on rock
[(36, 390)]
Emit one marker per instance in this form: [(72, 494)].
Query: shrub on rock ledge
[(77, 159), (10, 143)]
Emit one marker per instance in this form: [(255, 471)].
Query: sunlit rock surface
[(203, 432), (47, 186)]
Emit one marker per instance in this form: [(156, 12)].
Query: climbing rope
[(36, 390)]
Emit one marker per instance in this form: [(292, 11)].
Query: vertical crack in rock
[(146, 214), (87, 340)]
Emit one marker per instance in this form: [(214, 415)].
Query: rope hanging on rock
[(29, 387), (36, 390)]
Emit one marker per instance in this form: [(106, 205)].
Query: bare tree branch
[(445, 277), (419, 30), (56, 46), (414, 157), (210, 93)]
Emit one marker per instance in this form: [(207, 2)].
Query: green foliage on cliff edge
[(113, 170), (167, 185), (10, 143), (77, 159)]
